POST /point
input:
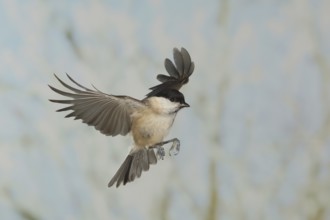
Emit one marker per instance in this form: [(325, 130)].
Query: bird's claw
[(175, 148), (160, 153)]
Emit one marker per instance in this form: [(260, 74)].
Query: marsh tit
[(147, 120)]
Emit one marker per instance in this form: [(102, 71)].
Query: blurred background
[(255, 143)]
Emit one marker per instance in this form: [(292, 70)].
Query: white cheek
[(163, 105)]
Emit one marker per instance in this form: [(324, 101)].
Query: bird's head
[(167, 101)]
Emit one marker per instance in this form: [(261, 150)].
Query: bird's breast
[(151, 128)]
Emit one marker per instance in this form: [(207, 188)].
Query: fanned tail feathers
[(132, 167)]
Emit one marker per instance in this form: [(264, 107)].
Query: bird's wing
[(109, 114), (179, 72)]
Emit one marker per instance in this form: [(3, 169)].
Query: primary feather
[(178, 74), (109, 114)]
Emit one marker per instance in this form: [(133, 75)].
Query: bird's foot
[(160, 152), (175, 148)]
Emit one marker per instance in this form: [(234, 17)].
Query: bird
[(148, 120)]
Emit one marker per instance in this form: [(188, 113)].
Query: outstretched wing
[(109, 114), (178, 74)]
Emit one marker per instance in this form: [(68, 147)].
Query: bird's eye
[(172, 99)]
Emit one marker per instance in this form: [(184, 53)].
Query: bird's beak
[(184, 105)]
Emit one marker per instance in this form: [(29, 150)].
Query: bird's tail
[(136, 162)]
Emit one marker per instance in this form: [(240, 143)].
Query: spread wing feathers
[(179, 72), (109, 114)]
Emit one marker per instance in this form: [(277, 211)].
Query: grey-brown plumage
[(178, 74), (109, 114), (148, 120), (134, 164)]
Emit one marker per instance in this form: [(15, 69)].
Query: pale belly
[(151, 130)]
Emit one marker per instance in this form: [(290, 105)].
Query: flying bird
[(147, 120)]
